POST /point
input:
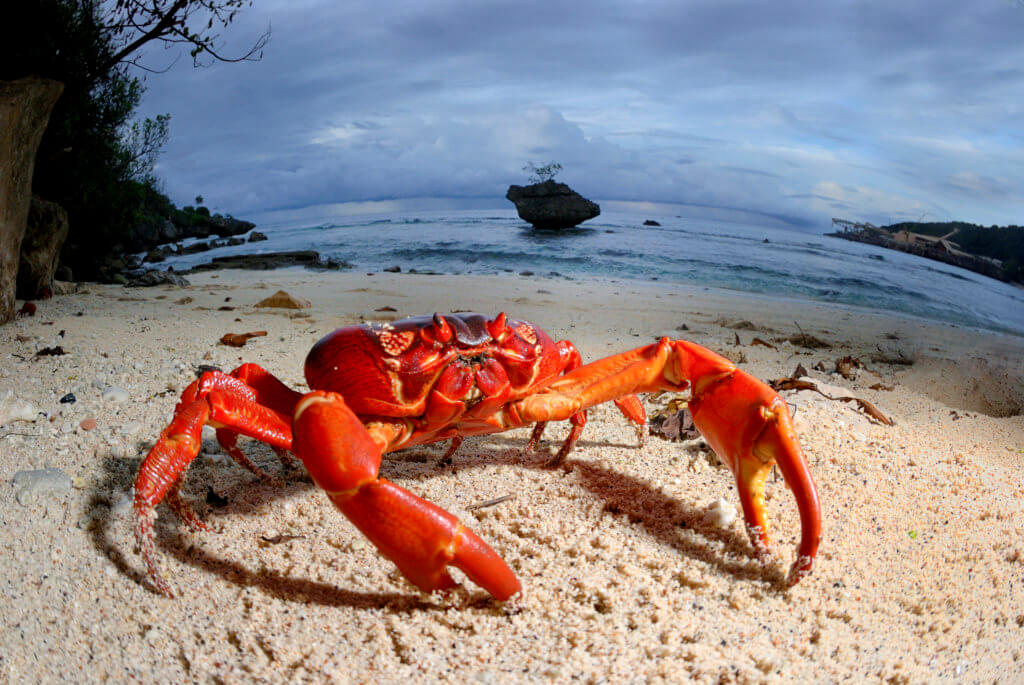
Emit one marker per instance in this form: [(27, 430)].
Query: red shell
[(391, 369)]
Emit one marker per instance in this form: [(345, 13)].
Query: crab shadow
[(662, 516), (172, 541)]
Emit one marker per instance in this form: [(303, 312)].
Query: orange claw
[(419, 537), (745, 422)]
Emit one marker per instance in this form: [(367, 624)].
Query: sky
[(776, 112)]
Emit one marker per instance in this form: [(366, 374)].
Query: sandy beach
[(627, 575)]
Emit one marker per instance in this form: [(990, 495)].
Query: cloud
[(733, 105)]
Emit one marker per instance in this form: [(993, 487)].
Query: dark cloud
[(787, 111)]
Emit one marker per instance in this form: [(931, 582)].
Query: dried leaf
[(800, 371), (845, 367), (880, 386), (795, 384), (758, 341), (239, 339), (674, 425), (737, 338)]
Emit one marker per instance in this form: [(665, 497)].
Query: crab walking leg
[(422, 539), (630, 407), (745, 422), (164, 467)]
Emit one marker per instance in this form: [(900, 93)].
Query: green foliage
[(94, 159), (542, 173), (1005, 243)]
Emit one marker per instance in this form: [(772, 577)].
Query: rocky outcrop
[(551, 205), (45, 233), (273, 260), (25, 107), (160, 230)]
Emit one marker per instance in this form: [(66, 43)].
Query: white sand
[(920, 576)]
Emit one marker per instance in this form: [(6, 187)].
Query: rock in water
[(551, 205)]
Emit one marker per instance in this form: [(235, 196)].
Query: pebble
[(15, 409), (29, 484), (720, 513), (68, 399), (88, 424), (115, 395)]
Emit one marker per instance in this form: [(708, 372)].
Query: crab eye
[(395, 342), (442, 331), (499, 327)]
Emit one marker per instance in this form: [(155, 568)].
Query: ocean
[(733, 256)]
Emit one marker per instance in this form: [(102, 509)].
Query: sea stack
[(551, 205)]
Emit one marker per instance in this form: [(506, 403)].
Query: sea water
[(768, 260)]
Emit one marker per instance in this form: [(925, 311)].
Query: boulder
[(148, 279), (46, 231), (256, 237), (25, 107), (551, 205)]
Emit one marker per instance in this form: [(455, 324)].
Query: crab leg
[(630, 407), (745, 422), (343, 457), (163, 468)]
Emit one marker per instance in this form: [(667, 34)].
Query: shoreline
[(626, 575)]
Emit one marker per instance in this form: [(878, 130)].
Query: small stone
[(283, 300), (115, 395), (88, 424), (30, 484), (15, 409), (720, 513), (68, 399)]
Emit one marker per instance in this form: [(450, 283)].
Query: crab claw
[(421, 538), (745, 422), (749, 427)]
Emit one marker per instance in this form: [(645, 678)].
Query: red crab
[(377, 388)]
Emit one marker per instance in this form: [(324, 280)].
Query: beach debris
[(27, 309), (893, 358), (55, 351), (489, 503), (868, 408), (844, 366), (738, 324), (808, 341), (279, 538), (68, 399), (385, 308), (30, 484), (115, 395), (763, 343), (882, 386), (720, 513), (188, 299), (284, 300), (15, 409), (674, 422), (88, 424), (239, 339)]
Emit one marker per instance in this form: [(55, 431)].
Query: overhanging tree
[(94, 159)]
